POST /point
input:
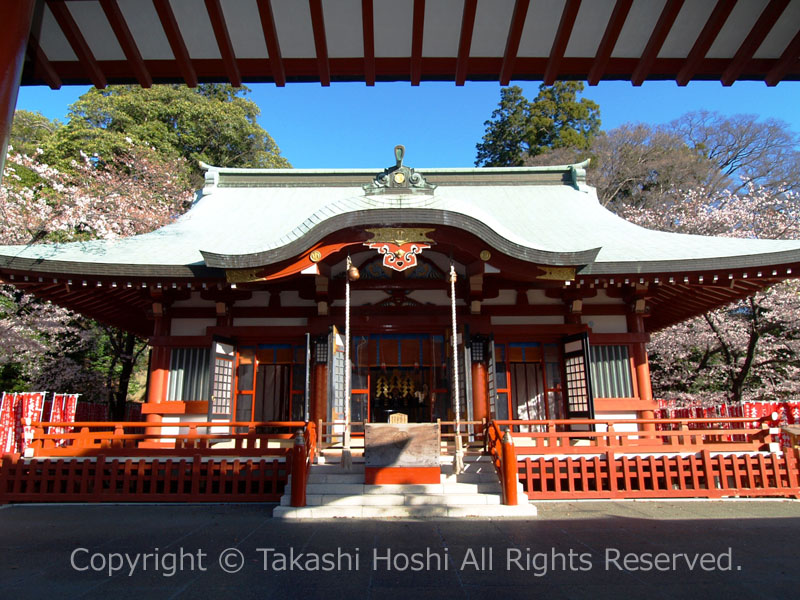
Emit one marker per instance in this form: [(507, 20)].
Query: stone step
[(358, 489), (397, 500), (424, 511)]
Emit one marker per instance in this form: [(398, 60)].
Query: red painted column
[(16, 17), (159, 371), (642, 366), (480, 392), (318, 408)]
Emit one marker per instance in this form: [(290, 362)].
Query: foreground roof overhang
[(145, 41), (542, 226)]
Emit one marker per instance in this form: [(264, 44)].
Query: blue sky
[(352, 125)]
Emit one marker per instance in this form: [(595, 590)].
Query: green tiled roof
[(251, 218)]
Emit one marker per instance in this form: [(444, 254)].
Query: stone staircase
[(333, 493)]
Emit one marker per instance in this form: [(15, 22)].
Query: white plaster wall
[(505, 297), (617, 415), (606, 323), (292, 298), (539, 297), (194, 301), (602, 298), (530, 320), (269, 322), (191, 326), (258, 299)]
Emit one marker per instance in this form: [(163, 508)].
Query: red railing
[(303, 455), (592, 436), (500, 447), (162, 438)]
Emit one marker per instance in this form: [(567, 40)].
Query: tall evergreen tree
[(520, 129)]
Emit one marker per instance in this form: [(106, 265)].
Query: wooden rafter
[(271, 39), (744, 54), (512, 42), (176, 43), (368, 25), (126, 41), (43, 66), (465, 40), (561, 40), (704, 41), (78, 43), (224, 41), (610, 37), (657, 38), (788, 59), (320, 41), (417, 29)]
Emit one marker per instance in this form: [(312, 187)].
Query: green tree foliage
[(31, 131), (213, 123), (520, 129)]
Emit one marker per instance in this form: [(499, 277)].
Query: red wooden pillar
[(16, 17), (480, 392), (319, 394), (642, 366), (159, 372)]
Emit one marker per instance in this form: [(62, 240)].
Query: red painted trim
[(176, 43), (787, 60), (417, 31), (271, 39), (624, 404), (402, 475), (704, 41), (192, 407), (660, 33), (368, 25), (512, 42), (78, 43), (224, 41), (43, 65), (126, 41), (760, 30), (465, 41), (610, 37), (320, 42), (561, 40)]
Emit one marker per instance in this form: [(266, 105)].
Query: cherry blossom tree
[(138, 190), (749, 350)]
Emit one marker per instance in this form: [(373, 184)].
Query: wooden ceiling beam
[(224, 42), (657, 38), (764, 24), (320, 41), (465, 40), (118, 24), (176, 43), (788, 59), (417, 31), (610, 37), (707, 36), (561, 40), (42, 65), (513, 40), (272, 42), (78, 43), (368, 26)]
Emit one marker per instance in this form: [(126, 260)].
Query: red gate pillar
[(480, 392), (642, 366), (16, 17)]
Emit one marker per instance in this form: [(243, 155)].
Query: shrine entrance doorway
[(399, 374)]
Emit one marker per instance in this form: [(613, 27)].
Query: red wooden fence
[(199, 479), (666, 476)]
